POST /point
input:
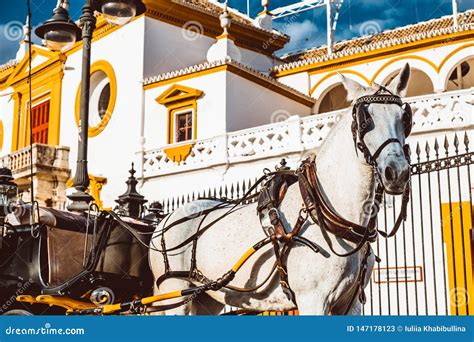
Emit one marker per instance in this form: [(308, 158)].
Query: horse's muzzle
[(395, 176)]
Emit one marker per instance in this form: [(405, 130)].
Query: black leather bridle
[(362, 123)]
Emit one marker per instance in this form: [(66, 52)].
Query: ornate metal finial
[(225, 19), (132, 171), (418, 149), (466, 141), (131, 202), (446, 145), (283, 165)]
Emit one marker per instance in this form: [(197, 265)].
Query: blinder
[(407, 119)]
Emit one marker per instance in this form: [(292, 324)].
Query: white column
[(455, 14), (329, 25)]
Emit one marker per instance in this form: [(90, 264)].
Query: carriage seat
[(62, 239)]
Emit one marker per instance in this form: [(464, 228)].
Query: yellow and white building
[(200, 100)]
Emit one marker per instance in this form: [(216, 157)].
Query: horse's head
[(381, 123)]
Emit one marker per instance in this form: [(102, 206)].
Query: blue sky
[(308, 30)]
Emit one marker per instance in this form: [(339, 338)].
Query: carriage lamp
[(60, 32), (8, 191), (119, 12)]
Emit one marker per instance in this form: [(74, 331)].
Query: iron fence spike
[(456, 143), (466, 141), (446, 144)]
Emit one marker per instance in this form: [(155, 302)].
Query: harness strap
[(282, 270), (315, 201), (381, 147), (402, 216), (212, 223), (359, 285)]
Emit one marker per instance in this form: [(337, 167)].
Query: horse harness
[(274, 185)]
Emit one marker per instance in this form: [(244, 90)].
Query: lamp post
[(60, 34)]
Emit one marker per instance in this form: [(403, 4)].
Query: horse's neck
[(347, 183)]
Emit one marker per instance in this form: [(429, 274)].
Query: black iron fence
[(231, 191), (427, 268)]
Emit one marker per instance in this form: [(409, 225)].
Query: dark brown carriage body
[(58, 262)]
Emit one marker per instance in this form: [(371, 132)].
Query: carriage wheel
[(17, 312)]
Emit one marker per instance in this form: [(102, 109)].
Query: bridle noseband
[(362, 123)]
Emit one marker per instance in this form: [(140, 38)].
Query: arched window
[(419, 84), (462, 76), (334, 99)]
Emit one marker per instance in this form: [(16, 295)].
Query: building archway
[(461, 76), (334, 99), (420, 83)]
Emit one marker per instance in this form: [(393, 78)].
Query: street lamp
[(8, 191), (119, 12), (61, 33)]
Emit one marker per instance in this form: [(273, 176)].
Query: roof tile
[(397, 36)]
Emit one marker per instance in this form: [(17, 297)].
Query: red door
[(40, 122)]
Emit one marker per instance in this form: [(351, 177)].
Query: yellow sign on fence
[(457, 227)]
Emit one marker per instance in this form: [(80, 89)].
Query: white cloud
[(8, 47), (11, 34), (303, 34)]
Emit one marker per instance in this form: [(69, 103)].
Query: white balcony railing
[(435, 112), (43, 156)]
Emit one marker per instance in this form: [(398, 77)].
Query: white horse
[(321, 282)]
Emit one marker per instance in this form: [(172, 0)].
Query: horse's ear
[(354, 88), (399, 84)]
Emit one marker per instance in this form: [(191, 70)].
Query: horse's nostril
[(405, 175), (389, 174)]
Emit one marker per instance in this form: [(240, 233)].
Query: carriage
[(58, 261)]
